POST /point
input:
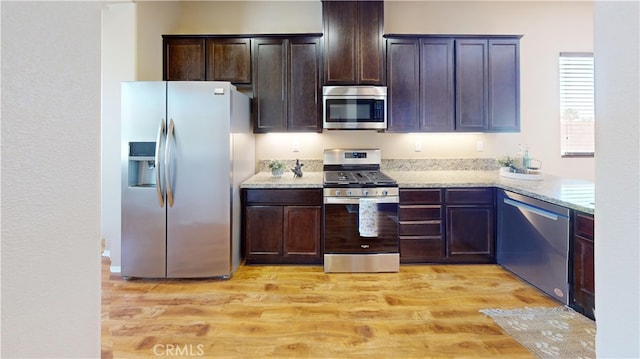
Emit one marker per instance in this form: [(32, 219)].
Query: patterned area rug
[(557, 332)]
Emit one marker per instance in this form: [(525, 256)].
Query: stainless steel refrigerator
[(186, 147)]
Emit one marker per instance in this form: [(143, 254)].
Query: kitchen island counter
[(571, 193)]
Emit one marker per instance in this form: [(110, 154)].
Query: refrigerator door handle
[(161, 132), (167, 164)]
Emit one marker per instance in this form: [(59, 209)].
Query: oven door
[(343, 230)]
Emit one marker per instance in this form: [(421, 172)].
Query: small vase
[(277, 172)]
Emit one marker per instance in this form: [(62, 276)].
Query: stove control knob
[(337, 193), (348, 193), (385, 192), (365, 192)]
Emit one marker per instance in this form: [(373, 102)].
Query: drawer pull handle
[(365, 246)]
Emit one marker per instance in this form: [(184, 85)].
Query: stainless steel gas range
[(360, 213)]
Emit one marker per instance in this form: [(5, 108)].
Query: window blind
[(577, 104)]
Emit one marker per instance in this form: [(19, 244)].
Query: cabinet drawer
[(420, 196), (469, 195), (584, 226), (420, 228), (311, 197), (413, 250), (420, 212)]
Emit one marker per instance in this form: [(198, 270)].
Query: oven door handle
[(356, 200)]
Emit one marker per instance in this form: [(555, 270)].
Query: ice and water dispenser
[(142, 168)]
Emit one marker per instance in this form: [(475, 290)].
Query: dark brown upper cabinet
[(472, 85), (184, 59), (420, 84), (449, 83), (487, 85), (403, 85), (207, 58), (286, 84), (504, 85), (354, 48), (229, 60)]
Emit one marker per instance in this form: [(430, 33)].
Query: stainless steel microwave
[(354, 107)]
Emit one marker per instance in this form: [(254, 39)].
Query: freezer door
[(198, 174), (143, 213)]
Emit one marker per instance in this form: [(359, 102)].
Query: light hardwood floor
[(424, 311)]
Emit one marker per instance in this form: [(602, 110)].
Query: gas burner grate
[(376, 178)]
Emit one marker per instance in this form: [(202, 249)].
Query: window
[(576, 104)]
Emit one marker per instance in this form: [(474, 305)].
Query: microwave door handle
[(161, 132)]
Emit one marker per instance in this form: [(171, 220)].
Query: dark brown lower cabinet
[(583, 286), (470, 224), (421, 226), (450, 225), (282, 226)]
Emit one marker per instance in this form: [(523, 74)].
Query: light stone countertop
[(572, 193), (266, 180)]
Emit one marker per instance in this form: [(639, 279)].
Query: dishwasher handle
[(533, 209)]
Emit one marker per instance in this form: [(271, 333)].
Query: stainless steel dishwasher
[(533, 242)]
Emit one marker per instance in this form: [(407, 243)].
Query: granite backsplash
[(415, 164)]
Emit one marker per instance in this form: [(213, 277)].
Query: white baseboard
[(106, 253), (115, 269)]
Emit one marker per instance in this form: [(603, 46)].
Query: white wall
[(250, 17), (118, 64), (617, 228), (153, 19), (50, 179)]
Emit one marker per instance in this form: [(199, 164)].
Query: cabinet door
[(371, 44), (229, 60), (184, 59), (437, 85), (583, 265), (269, 85), (263, 231), (305, 96), (403, 85), (471, 85), (354, 51), (504, 85), (470, 233), (302, 231), (340, 41)]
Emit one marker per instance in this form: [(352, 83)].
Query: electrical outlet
[(480, 146), (296, 146), (418, 146)]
